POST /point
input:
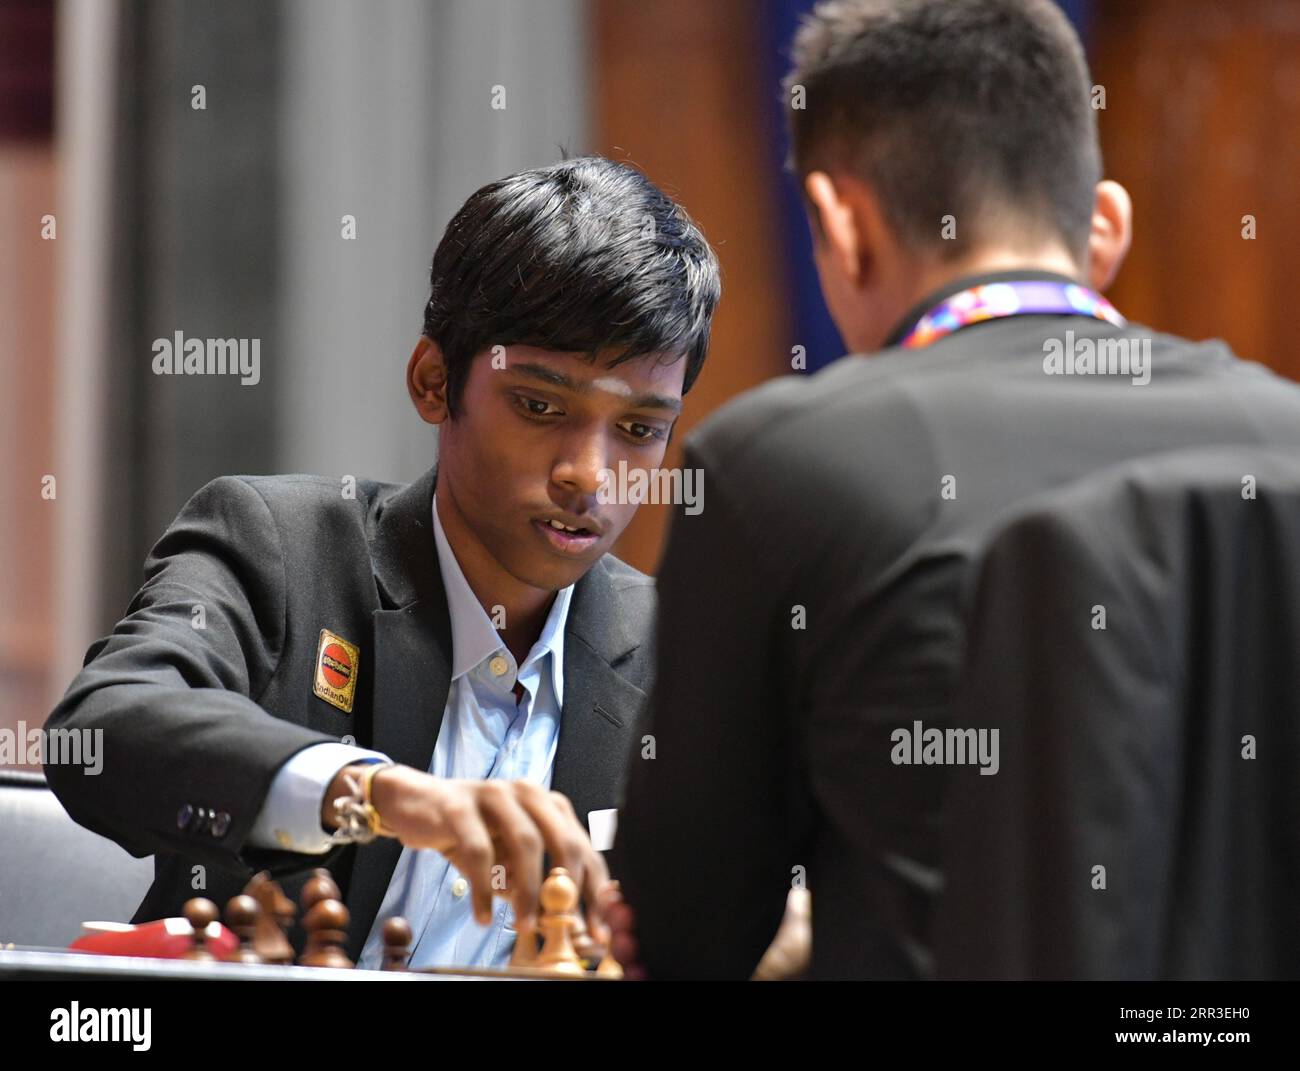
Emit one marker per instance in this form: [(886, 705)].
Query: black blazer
[(814, 606), (1164, 748), (196, 721)]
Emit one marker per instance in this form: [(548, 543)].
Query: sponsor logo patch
[(336, 670)]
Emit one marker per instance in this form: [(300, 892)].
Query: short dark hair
[(975, 108), (586, 255)]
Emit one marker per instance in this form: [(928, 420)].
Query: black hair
[(979, 109), (586, 255)]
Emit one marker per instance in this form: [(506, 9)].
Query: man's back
[(856, 501)]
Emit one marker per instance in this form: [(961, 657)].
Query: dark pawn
[(397, 943), (242, 916), (326, 924), (200, 913), (320, 886)]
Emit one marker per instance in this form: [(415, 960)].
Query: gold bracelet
[(372, 812), (359, 821)]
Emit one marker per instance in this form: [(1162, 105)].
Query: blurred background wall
[(226, 220), (28, 174)]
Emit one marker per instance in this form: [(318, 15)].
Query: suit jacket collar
[(412, 679), (404, 557)]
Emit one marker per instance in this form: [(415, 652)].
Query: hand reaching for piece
[(479, 825), (621, 920)]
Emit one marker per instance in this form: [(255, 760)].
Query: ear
[(426, 381), (835, 225), (1112, 233)]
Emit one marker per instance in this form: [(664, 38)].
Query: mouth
[(566, 538)]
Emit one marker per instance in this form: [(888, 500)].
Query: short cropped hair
[(586, 255), (978, 109)]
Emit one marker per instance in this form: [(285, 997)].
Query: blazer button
[(184, 816), (220, 824)]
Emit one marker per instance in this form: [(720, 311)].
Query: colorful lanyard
[(1019, 298)]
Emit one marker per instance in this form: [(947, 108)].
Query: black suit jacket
[(1164, 748), (814, 606), (196, 722)]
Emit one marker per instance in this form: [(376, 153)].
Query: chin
[(554, 575)]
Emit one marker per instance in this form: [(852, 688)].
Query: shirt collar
[(965, 283), (473, 636)]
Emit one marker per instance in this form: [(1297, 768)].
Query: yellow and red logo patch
[(336, 670)]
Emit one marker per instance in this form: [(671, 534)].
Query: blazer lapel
[(601, 708), (412, 674)]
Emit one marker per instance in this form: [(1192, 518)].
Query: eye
[(535, 407), (643, 432)]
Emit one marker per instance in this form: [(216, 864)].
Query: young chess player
[(814, 609), (455, 664)]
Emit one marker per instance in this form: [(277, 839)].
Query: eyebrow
[(559, 379)]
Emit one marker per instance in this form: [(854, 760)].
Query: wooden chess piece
[(525, 950), (326, 875), (397, 943), (242, 915), (594, 955), (583, 943), (610, 968), (320, 886), (326, 924), (200, 913), (559, 899), (274, 921)]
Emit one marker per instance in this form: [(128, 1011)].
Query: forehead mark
[(612, 385)]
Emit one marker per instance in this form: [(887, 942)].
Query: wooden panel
[(27, 187), (679, 92), (1202, 125), (27, 181)]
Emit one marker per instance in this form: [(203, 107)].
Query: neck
[(934, 276), (525, 606)]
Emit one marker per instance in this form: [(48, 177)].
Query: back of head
[(976, 109)]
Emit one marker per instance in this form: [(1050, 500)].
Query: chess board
[(254, 944)]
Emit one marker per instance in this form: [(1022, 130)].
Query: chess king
[(457, 664)]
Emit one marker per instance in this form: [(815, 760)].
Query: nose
[(578, 467)]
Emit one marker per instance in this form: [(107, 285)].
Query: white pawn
[(558, 920)]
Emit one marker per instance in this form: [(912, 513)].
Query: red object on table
[(163, 939)]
